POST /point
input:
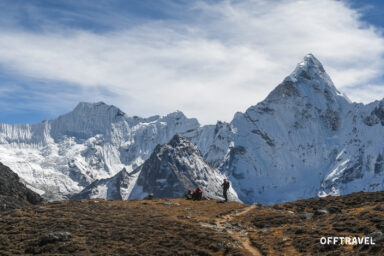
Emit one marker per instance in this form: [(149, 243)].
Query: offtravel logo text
[(348, 240)]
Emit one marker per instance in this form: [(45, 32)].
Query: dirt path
[(237, 232)]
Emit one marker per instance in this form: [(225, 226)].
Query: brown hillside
[(153, 227), (183, 227), (296, 228)]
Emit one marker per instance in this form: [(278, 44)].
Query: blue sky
[(206, 58)]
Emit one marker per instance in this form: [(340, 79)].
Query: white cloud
[(368, 93), (228, 58)]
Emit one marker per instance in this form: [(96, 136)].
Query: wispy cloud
[(221, 58)]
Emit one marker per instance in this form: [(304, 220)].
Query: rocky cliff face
[(175, 168), (305, 139), (13, 193), (118, 187)]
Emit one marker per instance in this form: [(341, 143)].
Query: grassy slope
[(118, 228), (181, 227), (288, 229)]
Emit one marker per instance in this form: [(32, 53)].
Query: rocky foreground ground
[(183, 227)]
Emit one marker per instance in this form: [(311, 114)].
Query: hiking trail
[(237, 232)]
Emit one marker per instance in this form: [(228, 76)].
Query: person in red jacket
[(197, 194)]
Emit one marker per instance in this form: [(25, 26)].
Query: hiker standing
[(225, 186)]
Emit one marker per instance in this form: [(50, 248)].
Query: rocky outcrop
[(175, 168), (13, 193), (118, 187)]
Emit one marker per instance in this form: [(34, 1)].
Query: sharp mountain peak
[(309, 80)]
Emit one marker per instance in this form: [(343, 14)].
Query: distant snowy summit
[(305, 139)]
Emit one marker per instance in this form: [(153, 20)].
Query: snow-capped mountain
[(94, 141), (171, 170), (305, 139)]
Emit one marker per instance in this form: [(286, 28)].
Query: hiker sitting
[(188, 195), (197, 194), (149, 197)]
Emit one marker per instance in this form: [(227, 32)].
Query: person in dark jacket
[(225, 186)]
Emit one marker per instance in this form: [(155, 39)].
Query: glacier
[(306, 139)]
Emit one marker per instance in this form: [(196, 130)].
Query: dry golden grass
[(284, 230), (183, 227), (99, 227)]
